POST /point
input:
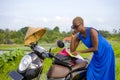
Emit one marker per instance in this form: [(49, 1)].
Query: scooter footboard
[(57, 71)]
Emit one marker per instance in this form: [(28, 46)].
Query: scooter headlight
[(25, 62)]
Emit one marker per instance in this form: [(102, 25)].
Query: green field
[(18, 51)]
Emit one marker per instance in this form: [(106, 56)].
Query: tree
[(119, 31), (114, 31), (56, 29), (105, 33), (24, 30), (8, 36)]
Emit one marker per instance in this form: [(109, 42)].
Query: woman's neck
[(84, 32)]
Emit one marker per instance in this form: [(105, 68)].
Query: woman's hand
[(74, 34), (74, 41), (75, 53)]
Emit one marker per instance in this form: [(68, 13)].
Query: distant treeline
[(17, 37)]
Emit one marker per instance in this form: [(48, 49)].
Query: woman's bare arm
[(74, 42), (94, 38)]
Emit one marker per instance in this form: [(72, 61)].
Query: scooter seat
[(79, 65), (59, 71)]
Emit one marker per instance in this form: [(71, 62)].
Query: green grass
[(9, 47), (13, 66), (117, 68), (47, 63), (116, 47)]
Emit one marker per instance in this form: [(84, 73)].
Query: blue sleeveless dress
[(102, 64)]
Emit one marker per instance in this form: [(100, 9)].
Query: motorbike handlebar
[(46, 54), (51, 55)]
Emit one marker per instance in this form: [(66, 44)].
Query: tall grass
[(117, 68), (47, 63)]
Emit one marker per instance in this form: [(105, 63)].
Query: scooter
[(65, 67), (31, 65)]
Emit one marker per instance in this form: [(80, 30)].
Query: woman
[(102, 65)]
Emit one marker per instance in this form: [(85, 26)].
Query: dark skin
[(79, 27)]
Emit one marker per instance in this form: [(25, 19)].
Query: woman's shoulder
[(93, 29), (90, 28), (94, 32)]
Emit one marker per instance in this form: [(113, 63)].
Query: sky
[(100, 14)]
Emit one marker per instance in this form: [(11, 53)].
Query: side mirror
[(60, 44), (49, 50)]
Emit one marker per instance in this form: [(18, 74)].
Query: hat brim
[(33, 34)]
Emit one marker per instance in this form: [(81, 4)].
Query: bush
[(9, 61)]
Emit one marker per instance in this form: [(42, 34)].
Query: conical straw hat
[(33, 34)]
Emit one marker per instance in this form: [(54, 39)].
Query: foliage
[(51, 36), (118, 68), (9, 56), (116, 47), (105, 33), (12, 65), (9, 37), (115, 37), (9, 61)]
